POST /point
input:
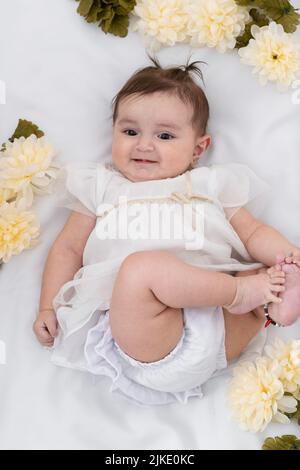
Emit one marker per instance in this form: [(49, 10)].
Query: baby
[(157, 318)]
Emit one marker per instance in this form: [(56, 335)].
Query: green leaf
[(93, 14), (289, 22), (107, 22), (112, 15), (84, 7), (250, 3), (282, 12), (285, 442), (128, 5), (243, 39), (106, 14), (24, 129), (258, 18), (119, 26)]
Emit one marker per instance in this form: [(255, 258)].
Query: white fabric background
[(61, 73)]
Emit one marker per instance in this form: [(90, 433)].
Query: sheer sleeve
[(78, 187), (236, 185)]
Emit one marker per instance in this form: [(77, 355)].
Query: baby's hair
[(173, 80)]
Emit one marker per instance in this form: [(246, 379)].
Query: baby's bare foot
[(253, 291), (288, 311)]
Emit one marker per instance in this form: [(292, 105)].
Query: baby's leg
[(150, 291), (240, 329)]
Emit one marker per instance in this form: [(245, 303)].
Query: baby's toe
[(296, 261), (290, 268)]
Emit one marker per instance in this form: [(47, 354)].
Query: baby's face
[(153, 137)]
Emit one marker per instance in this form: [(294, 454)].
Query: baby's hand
[(45, 327), (258, 289)]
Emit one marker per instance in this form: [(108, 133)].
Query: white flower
[(18, 230), (160, 22), (256, 395), (288, 357), (26, 167), (274, 54), (6, 195), (216, 23)]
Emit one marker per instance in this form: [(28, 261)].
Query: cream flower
[(256, 395), (288, 357), (160, 22), (6, 195), (26, 167), (18, 231), (274, 54), (216, 23)]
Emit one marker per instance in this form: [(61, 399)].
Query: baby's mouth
[(139, 160)]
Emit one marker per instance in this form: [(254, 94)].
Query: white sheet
[(61, 73)]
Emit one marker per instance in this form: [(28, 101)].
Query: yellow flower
[(274, 54), (216, 23), (288, 357), (26, 167), (256, 395), (160, 22), (6, 195), (18, 230)]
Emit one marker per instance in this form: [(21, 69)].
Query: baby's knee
[(142, 262)]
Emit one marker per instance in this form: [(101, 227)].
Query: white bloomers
[(198, 356)]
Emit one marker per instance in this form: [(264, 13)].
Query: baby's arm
[(63, 261), (263, 242)]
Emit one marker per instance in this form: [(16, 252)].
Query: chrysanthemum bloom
[(256, 395), (26, 167), (216, 23), (288, 357), (160, 22), (18, 230), (6, 195), (274, 54)]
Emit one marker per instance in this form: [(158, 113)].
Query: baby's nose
[(145, 145)]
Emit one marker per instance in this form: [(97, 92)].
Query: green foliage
[(112, 16), (285, 442), (265, 11), (258, 18), (24, 129)]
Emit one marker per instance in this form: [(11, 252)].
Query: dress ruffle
[(105, 359)]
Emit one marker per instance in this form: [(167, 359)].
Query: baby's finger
[(273, 298), (277, 280), (52, 326), (47, 344), (276, 273), (272, 270), (43, 335), (277, 288)]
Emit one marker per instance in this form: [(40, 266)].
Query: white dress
[(203, 237)]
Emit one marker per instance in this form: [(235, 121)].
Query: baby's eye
[(167, 136), (129, 130)]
